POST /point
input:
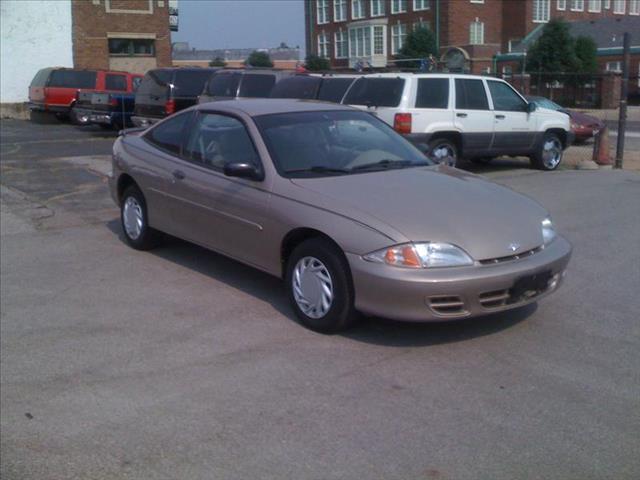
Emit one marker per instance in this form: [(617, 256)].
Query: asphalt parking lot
[(181, 364)]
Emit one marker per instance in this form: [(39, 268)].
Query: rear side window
[(224, 85), (470, 95), (432, 93), (41, 78), (135, 83), (333, 89), (155, 82), (296, 87), (190, 83), (256, 86), (505, 99), (115, 82), (376, 92), (169, 134), (73, 79)]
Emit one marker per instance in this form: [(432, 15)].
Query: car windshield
[(324, 143), (546, 103)]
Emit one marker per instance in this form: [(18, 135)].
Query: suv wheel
[(549, 154), (319, 286), (133, 216), (443, 150)]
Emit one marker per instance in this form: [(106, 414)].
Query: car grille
[(447, 305), (510, 258)]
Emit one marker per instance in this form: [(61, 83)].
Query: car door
[(514, 127), (432, 111), (227, 214), (472, 116), (160, 170)]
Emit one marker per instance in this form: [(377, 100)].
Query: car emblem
[(513, 247)]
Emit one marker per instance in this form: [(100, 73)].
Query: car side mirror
[(531, 107), (243, 170)]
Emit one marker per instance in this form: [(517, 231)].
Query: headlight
[(421, 255), (548, 231)]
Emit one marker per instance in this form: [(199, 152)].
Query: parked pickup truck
[(107, 109)]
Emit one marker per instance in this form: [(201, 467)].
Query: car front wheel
[(442, 150), (549, 154), (133, 217), (319, 286)]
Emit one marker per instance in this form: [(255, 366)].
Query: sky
[(211, 24)]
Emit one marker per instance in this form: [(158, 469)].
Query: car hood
[(435, 203), (583, 119)]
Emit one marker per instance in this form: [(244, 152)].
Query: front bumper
[(439, 294)]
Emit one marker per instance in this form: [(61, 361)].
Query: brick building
[(469, 33), (130, 35)]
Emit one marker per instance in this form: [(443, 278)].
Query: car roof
[(266, 106), (428, 75)]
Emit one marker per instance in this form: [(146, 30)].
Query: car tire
[(443, 150), (319, 286), (549, 154), (133, 219)]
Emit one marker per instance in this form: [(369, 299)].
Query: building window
[(377, 8), (138, 47), (339, 10), (378, 40), (634, 7), (562, 5), (476, 33), (398, 36), (323, 45), (420, 24), (360, 42), (619, 7), (541, 11), (421, 5), (476, 1), (357, 9), (577, 5), (614, 67), (342, 46), (398, 6), (607, 4), (595, 6), (322, 10)]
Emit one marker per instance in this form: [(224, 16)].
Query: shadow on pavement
[(371, 330)]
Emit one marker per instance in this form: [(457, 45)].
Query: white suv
[(453, 116)]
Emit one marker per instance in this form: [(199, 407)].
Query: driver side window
[(505, 99), (219, 139)]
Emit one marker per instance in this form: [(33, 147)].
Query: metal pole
[(622, 118)]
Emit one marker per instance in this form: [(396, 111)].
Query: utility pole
[(624, 90)]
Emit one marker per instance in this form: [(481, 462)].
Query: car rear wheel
[(549, 154), (443, 150), (319, 286), (133, 217)]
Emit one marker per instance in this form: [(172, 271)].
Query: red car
[(55, 90), (583, 126)]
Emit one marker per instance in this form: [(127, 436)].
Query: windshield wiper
[(385, 164), (317, 169)]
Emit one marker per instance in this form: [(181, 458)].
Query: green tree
[(420, 43), (553, 53), (217, 62), (315, 63), (259, 59), (586, 55)]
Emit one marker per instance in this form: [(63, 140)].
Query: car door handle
[(461, 115), (500, 117), (178, 175)]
